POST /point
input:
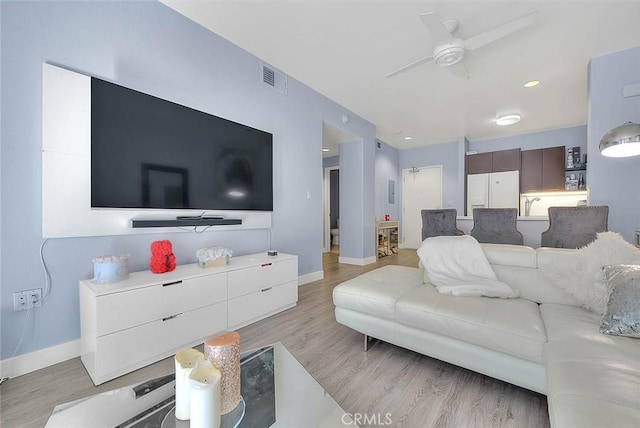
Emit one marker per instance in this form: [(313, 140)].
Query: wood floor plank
[(415, 391)]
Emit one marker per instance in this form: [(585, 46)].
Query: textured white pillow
[(581, 276)]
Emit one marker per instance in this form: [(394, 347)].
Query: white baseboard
[(357, 262), (310, 277), (27, 363)]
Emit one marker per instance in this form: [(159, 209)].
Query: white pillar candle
[(185, 360), (205, 395)]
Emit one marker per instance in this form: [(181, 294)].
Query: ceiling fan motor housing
[(449, 54)]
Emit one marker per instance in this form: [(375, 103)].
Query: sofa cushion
[(512, 326), (377, 291), (593, 379), (510, 255)]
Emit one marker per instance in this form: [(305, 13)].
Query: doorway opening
[(332, 210)]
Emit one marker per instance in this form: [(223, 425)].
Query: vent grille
[(268, 76), (274, 78)]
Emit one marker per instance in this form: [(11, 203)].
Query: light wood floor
[(417, 391)]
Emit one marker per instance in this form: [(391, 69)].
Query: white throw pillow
[(581, 276)]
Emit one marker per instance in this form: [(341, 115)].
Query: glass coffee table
[(276, 390)]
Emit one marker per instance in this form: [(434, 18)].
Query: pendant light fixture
[(621, 141)]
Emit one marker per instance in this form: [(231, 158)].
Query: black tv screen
[(151, 153)]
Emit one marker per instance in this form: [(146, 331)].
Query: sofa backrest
[(524, 269)]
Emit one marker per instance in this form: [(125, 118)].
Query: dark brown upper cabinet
[(504, 160), (542, 169), (479, 163)]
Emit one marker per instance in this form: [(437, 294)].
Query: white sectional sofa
[(542, 341)]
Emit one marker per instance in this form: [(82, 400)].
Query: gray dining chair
[(574, 227), (439, 223), (496, 226)]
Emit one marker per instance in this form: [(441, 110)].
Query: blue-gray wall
[(575, 136), (614, 181), (149, 47), (387, 168), (357, 225), (331, 161), (445, 154)]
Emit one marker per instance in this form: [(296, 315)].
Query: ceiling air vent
[(274, 78)]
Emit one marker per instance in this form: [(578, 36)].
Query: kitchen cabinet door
[(531, 170), (506, 160), (553, 177), (480, 163), (542, 169)]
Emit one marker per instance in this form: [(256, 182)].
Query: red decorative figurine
[(162, 258)]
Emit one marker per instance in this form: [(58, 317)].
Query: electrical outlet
[(23, 300)]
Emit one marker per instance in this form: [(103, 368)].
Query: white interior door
[(421, 189)]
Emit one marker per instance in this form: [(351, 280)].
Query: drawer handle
[(265, 289), (172, 283), (266, 264), (171, 317)]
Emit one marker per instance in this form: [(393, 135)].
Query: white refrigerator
[(493, 190)]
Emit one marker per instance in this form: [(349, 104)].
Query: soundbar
[(198, 221)]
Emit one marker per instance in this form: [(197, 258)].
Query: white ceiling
[(344, 48)]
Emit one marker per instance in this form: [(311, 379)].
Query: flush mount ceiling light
[(326, 149), (531, 83), (508, 119), (408, 138), (622, 141)]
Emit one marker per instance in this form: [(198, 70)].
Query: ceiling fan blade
[(459, 69), (438, 31), (410, 66), (494, 34)]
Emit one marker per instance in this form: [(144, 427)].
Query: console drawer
[(126, 350), (254, 306), (254, 279), (126, 309)]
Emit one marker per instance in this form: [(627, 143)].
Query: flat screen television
[(150, 153)]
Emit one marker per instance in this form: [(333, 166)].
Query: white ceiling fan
[(449, 51)]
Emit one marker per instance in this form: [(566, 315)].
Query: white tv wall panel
[(66, 170)]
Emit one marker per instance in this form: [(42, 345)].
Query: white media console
[(129, 324)]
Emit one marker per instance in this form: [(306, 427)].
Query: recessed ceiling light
[(508, 119), (531, 83), (408, 138), (326, 149)]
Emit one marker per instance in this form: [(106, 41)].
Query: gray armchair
[(496, 226), (574, 227), (439, 223)]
